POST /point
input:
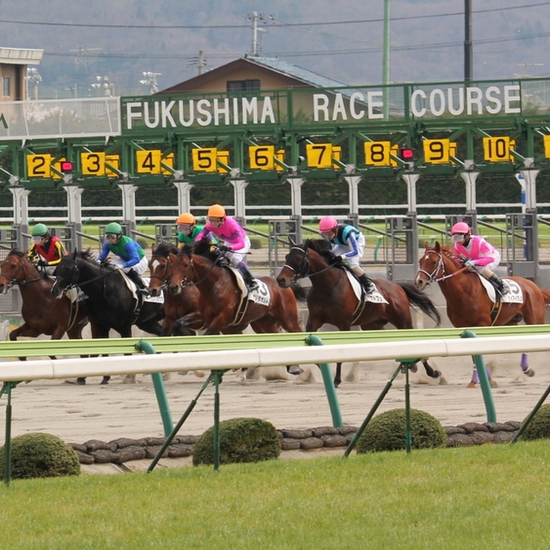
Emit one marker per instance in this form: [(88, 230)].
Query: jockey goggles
[(215, 220), (38, 240), (184, 228), (458, 237), (111, 236)]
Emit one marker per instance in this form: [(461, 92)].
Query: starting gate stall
[(166, 232), (402, 247), (279, 233), (521, 244)]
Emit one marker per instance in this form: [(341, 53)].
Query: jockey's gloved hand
[(470, 263), (42, 263), (223, 248)]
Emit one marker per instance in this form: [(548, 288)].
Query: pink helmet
[(328, 223), (460, 227)]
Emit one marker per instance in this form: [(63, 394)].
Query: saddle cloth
[(375, 297), (514, 296), (261, 295), (133, 288)]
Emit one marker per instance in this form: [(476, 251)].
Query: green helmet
[(114, 228), (39, 230)]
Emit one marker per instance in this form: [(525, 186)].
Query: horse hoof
[(493, 383), (472, 384), (294, 369), (530, 373), (81, 381), (105, 380)]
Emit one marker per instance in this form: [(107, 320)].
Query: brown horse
[(468, 304), (220, 296), (41, 313), (332, 299), (184, 303)]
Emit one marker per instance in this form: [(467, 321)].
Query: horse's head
[(66, 275), (15, 269), (435, 263), (182, 269), (296, 265), (160, 267)]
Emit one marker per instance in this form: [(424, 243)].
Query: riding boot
[(250, 282), (500, 286), (136, 278), (367, 283)]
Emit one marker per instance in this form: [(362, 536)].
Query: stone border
[(124, 449)]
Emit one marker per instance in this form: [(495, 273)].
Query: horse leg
[(526, 369), (431, 372), (475, 377)]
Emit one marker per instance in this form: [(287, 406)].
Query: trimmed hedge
[(386, 432), (241, 440), (40, 455), (539, 427)]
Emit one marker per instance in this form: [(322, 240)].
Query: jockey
[(348, 243), (131, 257), (477, 253), (46, 251), (232, 234), (187, 229)]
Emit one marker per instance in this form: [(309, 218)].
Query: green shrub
[(241, 440), (255, 243), (386, 432), (539, 427), (40, 455)]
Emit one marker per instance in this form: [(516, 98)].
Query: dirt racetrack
[(80, 413)]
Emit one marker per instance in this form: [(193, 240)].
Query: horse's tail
[(421, 301), (300, 293)]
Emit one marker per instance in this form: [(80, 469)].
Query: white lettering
[(373, 104), (418, 110), (509, 98), (235, 110), (437, 96), (202, 108), (320, 105), (267, 111), (166, 115), (339, 108), (495, 105), (219, 111), (131, 114), (250, 108), (356, 96), (146, 115), (473, 97), (450, 94), (189, 122)]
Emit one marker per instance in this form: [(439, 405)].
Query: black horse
[(111, 304)]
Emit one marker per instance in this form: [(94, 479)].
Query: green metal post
[(217, 421), (7, 443), (408, 436), (313, 340), (527, 421), (483, 380), (361, 429), (160, 391)]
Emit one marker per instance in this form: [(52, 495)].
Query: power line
[(282, 25)]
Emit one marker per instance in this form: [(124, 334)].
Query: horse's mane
[(165, 248), (16, 252), (204, 248), (322, 247), (85, 254)]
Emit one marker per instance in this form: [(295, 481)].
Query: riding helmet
[(328, 223), (39, 230), (460, 227), (114, 228), (186, 219), (216, 211)]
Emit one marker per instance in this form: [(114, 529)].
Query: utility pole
[(255, 17), (386, 61), (468, 47), (199, 62)]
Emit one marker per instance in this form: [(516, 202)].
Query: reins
[(432, 277), (13, 280), (186, 282), (304, 269)]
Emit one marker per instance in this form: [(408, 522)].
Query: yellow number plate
[(92, 164), (262, 157), (437, 151), (38, 166), (148, 162), (378, 153), (319, 155), (496, 149), (204, 159), (546, 141)]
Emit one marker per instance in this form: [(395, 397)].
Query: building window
[(242, 85), (6, 86)]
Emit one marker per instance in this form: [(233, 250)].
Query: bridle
[(439, 268), (13, 280), (166, 280), (303, 269), (191, 267), (75, 274)]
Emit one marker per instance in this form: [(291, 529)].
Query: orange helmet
[(216, 211), (186, 219)]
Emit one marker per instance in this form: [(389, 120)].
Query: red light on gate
[(66, 166), (406, 154)]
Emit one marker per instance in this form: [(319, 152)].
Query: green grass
[(492, 496)]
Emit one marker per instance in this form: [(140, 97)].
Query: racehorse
[(332, 299), (220, 296), (177, 305), (111, 304), (41, 313), (468, 304)]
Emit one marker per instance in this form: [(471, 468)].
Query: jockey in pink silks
[(230, 232), (477, 253)]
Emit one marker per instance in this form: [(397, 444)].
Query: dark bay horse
[(220, 296), (184, 303), (41, 313), (468, 304), (332, 300), (112, 305)]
